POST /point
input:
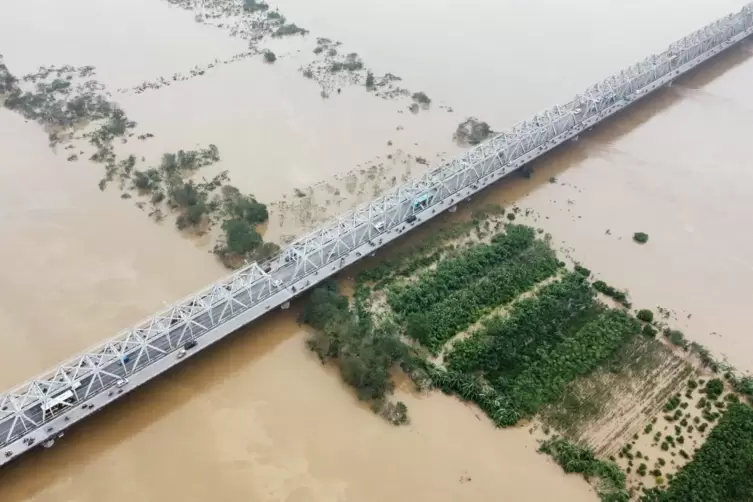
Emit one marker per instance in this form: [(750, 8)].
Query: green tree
[(240, 238), (640, 237)]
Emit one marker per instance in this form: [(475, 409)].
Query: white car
[(121, 382), (277, 283), (379, 226)]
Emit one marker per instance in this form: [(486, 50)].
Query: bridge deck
[(38, 411)]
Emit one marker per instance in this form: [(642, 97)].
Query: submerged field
[(487, 311)]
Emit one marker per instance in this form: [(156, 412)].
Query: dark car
[(411, 218), (190, 345)]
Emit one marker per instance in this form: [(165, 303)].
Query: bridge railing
[(153, 337)]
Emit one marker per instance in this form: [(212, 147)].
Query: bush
[(645, 315), (240, 238), (677, 338), (472, 131), (603, 288), (582, 271), (421, 98), (640, 237), (649, 331), (672, 404), (287, 30), (714, 389), (370, 80), (269, 56), (254, 6)]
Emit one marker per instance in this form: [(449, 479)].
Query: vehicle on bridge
[(59, 402), (422, 201)]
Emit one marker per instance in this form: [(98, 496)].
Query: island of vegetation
[(486, 311)]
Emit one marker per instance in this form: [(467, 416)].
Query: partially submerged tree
[(472, 131)]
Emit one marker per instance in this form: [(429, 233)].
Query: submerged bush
[(472, 131), (640, 237), (421, 98), (254, 6)]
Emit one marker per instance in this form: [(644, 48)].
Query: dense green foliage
[(547, 341), (7, 80), (645, 315), (454, 274), (254, 6), (743, 385), (582, 270), (499, 286), (616, 294), (640, 237), (168, 182), (714, 389), (721, 470), (365, 353), (241, 215), (676, 337), (508, 344), (270, 57), (576, 459), (578, 355)]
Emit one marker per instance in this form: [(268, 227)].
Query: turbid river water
[(258, 419)]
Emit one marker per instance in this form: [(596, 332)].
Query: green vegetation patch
[(616, 294), (499, 286), (454, 274), (640, 237), (506, 345), (577, 355), (364, 351), (611, 485), (721, 470)]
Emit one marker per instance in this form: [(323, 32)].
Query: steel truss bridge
[(40, 410)]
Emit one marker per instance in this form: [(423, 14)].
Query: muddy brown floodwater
[(257, 418)]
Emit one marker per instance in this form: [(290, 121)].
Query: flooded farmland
[(259, 418)]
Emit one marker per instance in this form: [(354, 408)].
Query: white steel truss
[(32, 404)]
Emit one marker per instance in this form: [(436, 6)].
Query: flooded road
[(258, 419)]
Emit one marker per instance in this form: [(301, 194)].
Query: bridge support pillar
[(285, 306), (576, 138), (669, 84), (453, 209), (48, 443)]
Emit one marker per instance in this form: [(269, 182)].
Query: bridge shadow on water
[(89, 441)]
